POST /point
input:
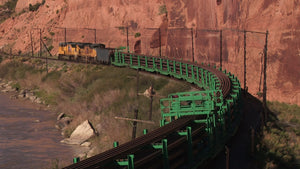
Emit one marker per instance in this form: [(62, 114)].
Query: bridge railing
[(175, 68), (219, 115)]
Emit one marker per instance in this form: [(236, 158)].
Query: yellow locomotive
[(84, 52)]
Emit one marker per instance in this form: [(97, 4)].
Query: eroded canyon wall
[(281, 18), (195, 39)]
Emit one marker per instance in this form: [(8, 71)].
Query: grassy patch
[(279, 146), (162, 10), (10, 4), (96, 93), (52, 76), (15, 70), (48, 98)]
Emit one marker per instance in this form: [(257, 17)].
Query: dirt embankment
[(280, 18)]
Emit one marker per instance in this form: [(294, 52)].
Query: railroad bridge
[(194, 127)]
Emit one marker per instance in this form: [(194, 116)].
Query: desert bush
[(52, 76), (174, 87), (34, 7), (15, 70), (279, 146), (162, 10), (48, 98), (10, 4)]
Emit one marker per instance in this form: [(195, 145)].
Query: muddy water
[(28, 138)]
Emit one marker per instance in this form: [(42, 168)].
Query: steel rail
[(132, 146)]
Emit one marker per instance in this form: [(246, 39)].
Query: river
[(28, 138)]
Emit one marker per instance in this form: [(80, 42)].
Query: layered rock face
[(25, 4), (195, 39), (280, 18), (2, 2)]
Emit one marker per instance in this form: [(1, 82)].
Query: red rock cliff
[(279, 17)]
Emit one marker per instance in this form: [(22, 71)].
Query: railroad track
[(185, 141), (191, 132)]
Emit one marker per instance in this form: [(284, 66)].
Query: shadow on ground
[(272, 148)]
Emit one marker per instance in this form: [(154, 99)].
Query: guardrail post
[(197, 68), (180, 68), (153, 63), (139, 60), (130, 59), (116, 144), (190, 146), (76, 160), (145, 131), (165, 153), (174, 66), (192, 72), (187, 70), (146, 62), (168, 66), (130, 161), (123, 58)]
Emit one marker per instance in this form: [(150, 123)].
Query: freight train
[(195, 125), (88, 52)]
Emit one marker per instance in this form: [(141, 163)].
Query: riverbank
[(28, 138), (90, 95)]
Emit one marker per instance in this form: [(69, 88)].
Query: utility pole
[(193, 53), (46, 55), (245, 59), (159, 39), (159, 34), (136, 111), (127, 39), (95, 33), (31, 44), (40, 42), (221, 43), (65, 32), (65, 35), (227, 152), (265, 78), (40, 53), (151, 101)]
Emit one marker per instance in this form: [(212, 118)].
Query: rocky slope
[(279, 17)]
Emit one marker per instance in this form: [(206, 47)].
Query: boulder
[(38, 100), (32, 98), (82, 133), (86, 144), (91, 153), (60, 116), (63, 122), (13, 97), (149, 92)]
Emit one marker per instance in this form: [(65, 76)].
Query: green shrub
[(34, 7), (138, 34), (48, 98), (52, 33), (16, 86), (52, 76), (50, 47), (162, 10), (174, 87), (15, 70), (11, 5)]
